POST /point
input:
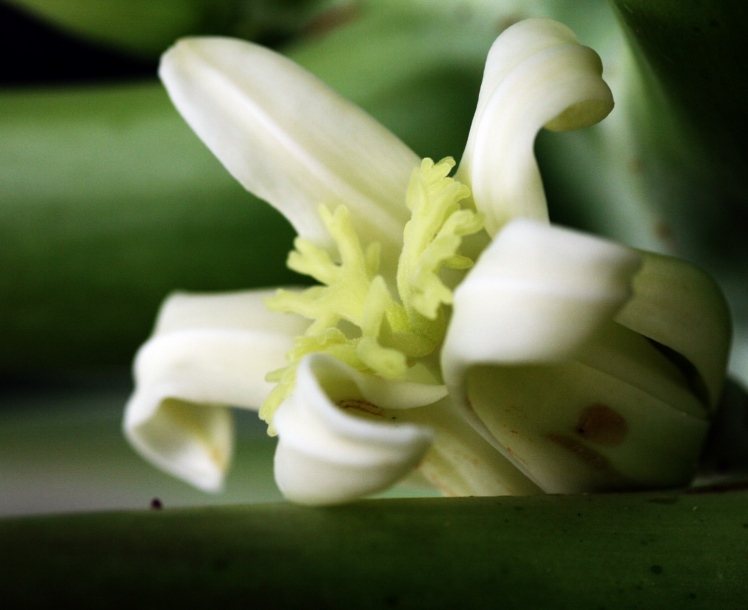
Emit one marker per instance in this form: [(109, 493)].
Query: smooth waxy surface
[(651, 550)]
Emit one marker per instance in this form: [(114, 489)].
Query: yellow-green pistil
[(355, 317)]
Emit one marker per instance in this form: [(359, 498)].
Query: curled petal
[(334, 443), (537, 75), (683, 309), (576, 401), (539, 293), (290, 139), (207, 352)]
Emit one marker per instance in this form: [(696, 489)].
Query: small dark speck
[(692, 596), (745, 525), (697, 29), (156, 504), (656, 569), (714, 23), (391, 601), (579, 514), (220, 564)]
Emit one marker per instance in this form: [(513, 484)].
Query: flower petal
[(460, 461), (328, 455), (244, 309), (574, 400), (289, 139), (537, 74), (538, 293), (207, 351), (624, 354), (683, 309), (571, 428)]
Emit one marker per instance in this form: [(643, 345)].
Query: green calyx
[(355, 317)]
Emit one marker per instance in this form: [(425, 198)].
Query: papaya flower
[(454, 334)]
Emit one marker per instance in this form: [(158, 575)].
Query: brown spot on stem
[(602, 425), (664, 231), (332, 19), (635, 165), (591, 457)]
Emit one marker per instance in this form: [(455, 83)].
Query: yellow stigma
[(355, 317)]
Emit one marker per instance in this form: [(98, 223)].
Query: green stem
[(109, 202), (653, 550), (696, 50)]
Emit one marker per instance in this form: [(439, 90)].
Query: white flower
[(560, 362)]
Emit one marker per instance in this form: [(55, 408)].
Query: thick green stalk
[(696, 50), (654, 550), (108, 203), (146, 28)]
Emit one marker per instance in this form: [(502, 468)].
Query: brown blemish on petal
[(219, 457), (591, 457), (602, 425), (515, 455), (362, 406)]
